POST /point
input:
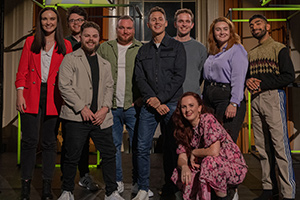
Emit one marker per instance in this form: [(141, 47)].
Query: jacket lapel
[(85, 63), (37, 63), (54, 65)]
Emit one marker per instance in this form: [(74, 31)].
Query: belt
[(224, 85)]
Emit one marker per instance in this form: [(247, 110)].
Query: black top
[(75, 44), (93, 61), (160, 72)]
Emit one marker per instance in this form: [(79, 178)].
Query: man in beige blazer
[(86, 86)]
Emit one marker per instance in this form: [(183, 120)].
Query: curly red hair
[(183, 129)]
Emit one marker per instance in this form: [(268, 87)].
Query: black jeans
[(218, 98), (33, 127), (83, 164), (76, 135)]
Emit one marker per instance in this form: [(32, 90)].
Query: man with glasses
[(76, 16)]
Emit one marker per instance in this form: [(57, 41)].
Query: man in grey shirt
[(195, 51)]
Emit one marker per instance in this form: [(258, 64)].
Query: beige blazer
[(75, 85)]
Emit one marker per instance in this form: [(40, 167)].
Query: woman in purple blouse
[(224, 74), (208, 158)]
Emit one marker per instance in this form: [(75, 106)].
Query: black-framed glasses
[(76, 20)]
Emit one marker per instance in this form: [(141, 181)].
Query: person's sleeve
[(212, 130), (203, 57), (239, 67), (109, 87), (66, 88), (180, 149), (178, 76), (286, 69), (100, 50), (69, 48), (141, 80), (23, 66)]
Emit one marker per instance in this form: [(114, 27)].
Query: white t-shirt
[(121, 80)]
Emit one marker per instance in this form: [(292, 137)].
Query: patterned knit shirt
[(270, 62)]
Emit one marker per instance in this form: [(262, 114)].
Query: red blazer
[(29, 76)]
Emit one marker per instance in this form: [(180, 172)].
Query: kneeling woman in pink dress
[(208, 158)]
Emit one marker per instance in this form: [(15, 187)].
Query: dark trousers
[(218, 98), (83, 164), (76, 135), (34, 127)]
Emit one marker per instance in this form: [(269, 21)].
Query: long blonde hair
[(213, 44)]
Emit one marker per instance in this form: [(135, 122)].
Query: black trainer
[(46, 192), (25, 191)]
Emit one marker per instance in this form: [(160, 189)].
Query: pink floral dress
[(228, 168)]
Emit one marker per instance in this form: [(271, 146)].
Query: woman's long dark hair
[(183, 129), (39, 41)]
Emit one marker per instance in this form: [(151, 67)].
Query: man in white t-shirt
[(121, 53)]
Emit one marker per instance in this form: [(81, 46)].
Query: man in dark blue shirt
[(160, 73)]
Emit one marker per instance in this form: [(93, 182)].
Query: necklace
[(49, 42)]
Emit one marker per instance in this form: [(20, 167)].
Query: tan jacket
[(75, 85)]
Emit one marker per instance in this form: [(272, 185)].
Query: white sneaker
[(141, 195), (236, 195), (66, 195), (120, 186), (114, 196), (135, 189)]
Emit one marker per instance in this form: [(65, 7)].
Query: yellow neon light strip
[(265, 2), (267, 9), (269, 20), (19, 140), (249, 119)]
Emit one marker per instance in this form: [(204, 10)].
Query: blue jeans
[(121, 117), (148, 121)]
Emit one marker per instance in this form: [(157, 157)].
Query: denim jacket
[(160, 72)]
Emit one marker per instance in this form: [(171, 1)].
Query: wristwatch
[(234, 104)]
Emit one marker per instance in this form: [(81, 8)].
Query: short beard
[(90, 51), (261, 35), (121, 41)]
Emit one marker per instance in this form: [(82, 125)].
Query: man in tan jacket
[(86, 86)]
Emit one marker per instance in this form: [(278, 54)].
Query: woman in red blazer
[(38, 98)]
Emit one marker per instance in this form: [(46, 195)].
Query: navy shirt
[(160, 72)]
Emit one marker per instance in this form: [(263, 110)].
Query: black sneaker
[(25, 191), (46, 192), (87, 182)]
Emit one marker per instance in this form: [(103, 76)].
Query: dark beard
[(261, 35), (90, 51)]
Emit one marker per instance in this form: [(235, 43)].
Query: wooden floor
[(10, 186)]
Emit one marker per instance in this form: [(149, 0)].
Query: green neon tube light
[(295, 151), (265, 2), (37, 3), (19, 147), (19, 140), (249, 120), (269, 20), (267, 9), (91, 5)]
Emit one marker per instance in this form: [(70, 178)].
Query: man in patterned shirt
[(270, 70)]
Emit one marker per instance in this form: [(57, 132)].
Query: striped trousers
[(269, 121)]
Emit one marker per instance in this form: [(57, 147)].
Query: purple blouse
[(228, 66)]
